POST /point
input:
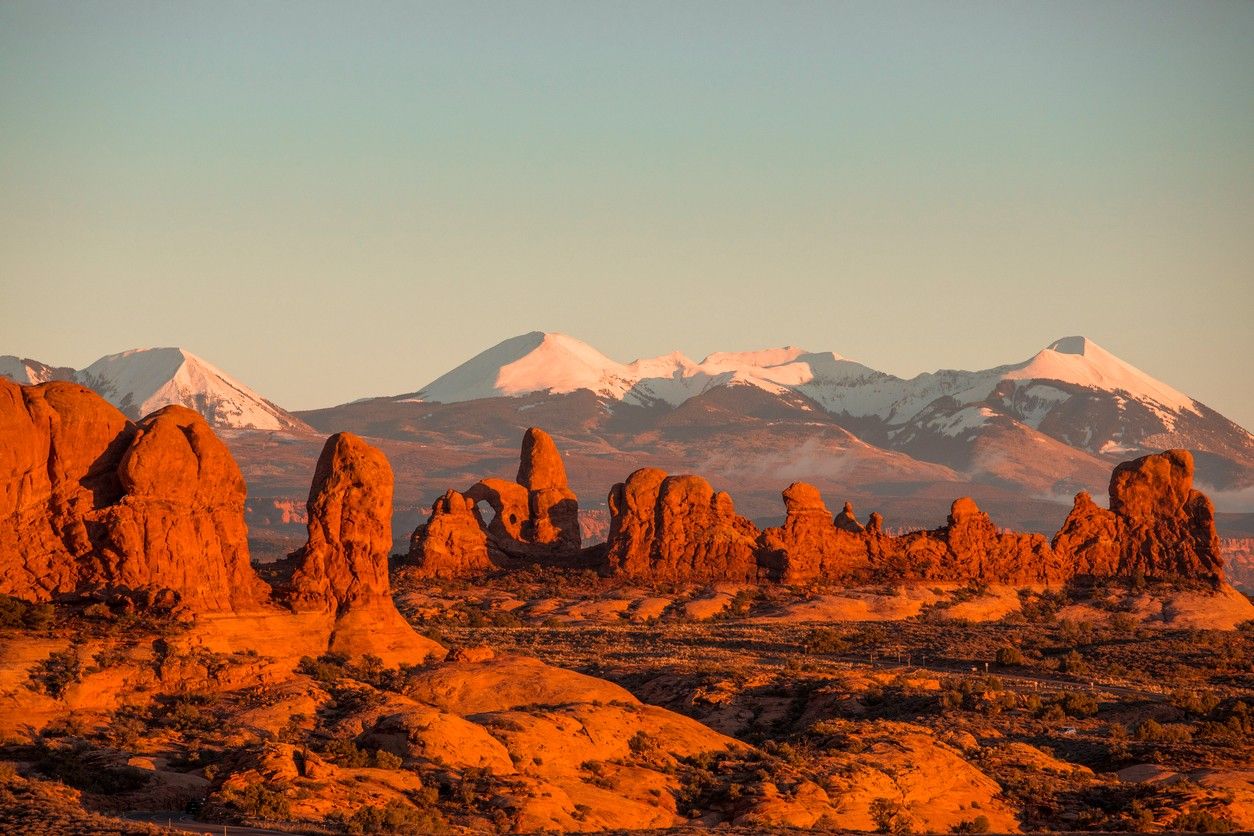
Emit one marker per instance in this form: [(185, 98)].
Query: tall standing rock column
[(343, 569), (553, 509)]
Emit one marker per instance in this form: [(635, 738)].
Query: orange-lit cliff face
[(678, 528)]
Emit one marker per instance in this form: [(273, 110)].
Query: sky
[(338, 200)]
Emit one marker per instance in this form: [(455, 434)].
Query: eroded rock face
[(343, 569), (60, 445), (535, 518), (971, 547), (92, 502), (1090, 538), (677, 528), (553, 508), (811, 544), (180, 524), (453, 542), (1158, 525)]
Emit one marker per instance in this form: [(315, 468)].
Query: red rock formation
[(970, 547), (1090, 538), (452, 543), (180, 524), (553, 508), (58, 468), (534, 518), (1158, 525), (677, 528), (343, 569), (811, 545), (92, 502)]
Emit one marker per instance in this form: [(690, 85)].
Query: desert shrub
[(327, 668), (1073, 662), (1010, 656), (257, 801), (383, 759), (642, 743), (1201, 821), (826, 641), (1123, 624), (890, 817), (979, 824), (81, 767), (395, 817), (56, 673), (1077, 704), (1151, 731)]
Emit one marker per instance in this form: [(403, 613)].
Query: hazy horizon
[(332, 202)]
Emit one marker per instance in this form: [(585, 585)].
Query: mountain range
[(1020, 437)]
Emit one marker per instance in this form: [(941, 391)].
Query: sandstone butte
[(535, 518), (666, 528), (94, 505)]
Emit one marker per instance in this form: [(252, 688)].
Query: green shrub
[(1010, 656), (1200, 821), (56, 673), (396, 817), (826, 642), (258, 801)]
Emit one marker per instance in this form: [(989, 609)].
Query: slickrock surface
[(343, 569)]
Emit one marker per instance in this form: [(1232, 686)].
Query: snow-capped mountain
[(1072, 391), (141, 381), (26, 370)]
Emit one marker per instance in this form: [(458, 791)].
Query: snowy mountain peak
[(143, 380), (1081, 361), (533, 362), (1072, 345)]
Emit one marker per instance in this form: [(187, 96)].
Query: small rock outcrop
[(1158, 524), (534, 518), (452, 542), (971, 548), (1090, 538), (94, 503), (343, 569), (811, 544), (678, 528)]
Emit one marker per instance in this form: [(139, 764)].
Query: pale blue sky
[(338, 200)]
